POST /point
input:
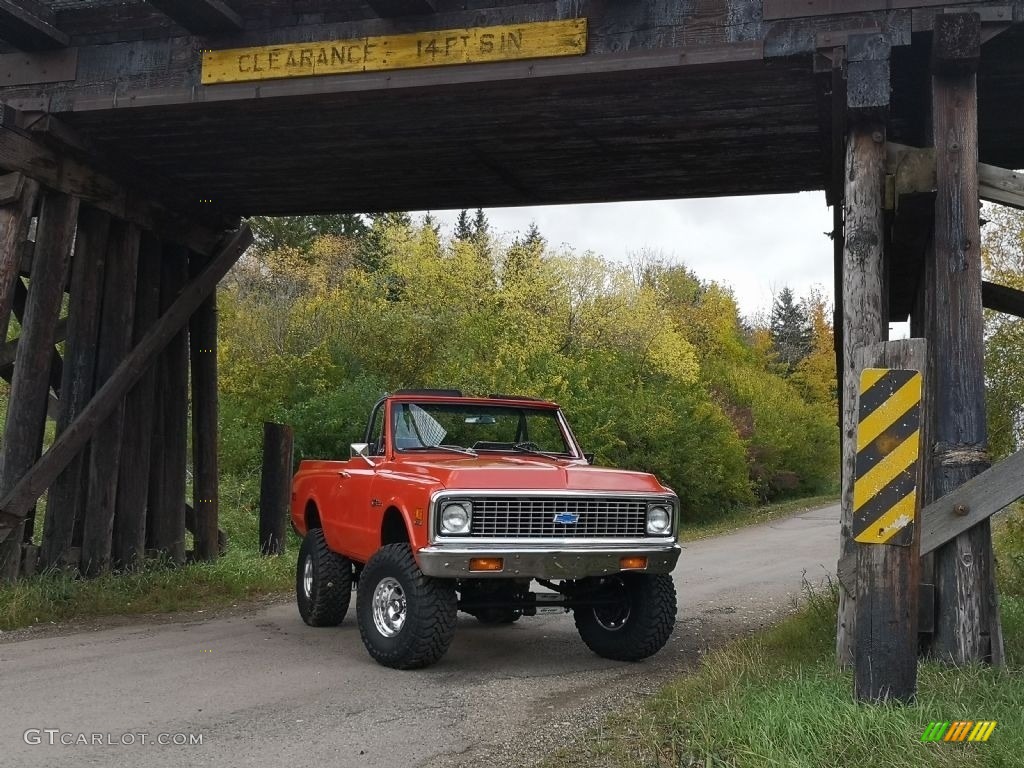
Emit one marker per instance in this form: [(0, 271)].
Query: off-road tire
[(431, 606), (651, 602), (331, 588)]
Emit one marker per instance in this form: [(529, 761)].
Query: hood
[(525, 473)]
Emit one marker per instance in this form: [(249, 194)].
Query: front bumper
[(452, 562)]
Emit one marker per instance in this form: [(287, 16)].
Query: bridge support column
[(967, 626), (862, 274)]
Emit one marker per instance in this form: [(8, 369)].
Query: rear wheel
[(636, 622), (406, 619), (323, 582)]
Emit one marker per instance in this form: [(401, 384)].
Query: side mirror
[(589, 457), (361, 451)]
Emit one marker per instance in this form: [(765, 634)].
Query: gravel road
[(261, 688)]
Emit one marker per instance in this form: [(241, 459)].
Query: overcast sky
[(756, 245)]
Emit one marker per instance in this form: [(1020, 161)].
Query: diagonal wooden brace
[(31, 486)]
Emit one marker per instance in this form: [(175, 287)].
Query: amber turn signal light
[(633, 563), (486, 563)]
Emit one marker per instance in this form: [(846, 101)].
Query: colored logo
[(567, 518), (961, 730)]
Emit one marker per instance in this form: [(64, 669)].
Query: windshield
[(478, 429)]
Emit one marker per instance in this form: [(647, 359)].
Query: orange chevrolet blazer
[(457, 503)]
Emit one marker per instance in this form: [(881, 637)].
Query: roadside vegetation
[(656, 368)]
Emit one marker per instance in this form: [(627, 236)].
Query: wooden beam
[(29, 26), (971, 503), (201, 17), (1002, 298), (167, 509), (115, 341), (794, 9), (62, 172), (9, 351), (205, 477), (66, 500), (393, 8), (129, 544), (913, 169), (967, 626), (863, 276), (15, 219), (27, 401), (275, 486), (998, 185), (15, 503), (11, 186), (885, 665)]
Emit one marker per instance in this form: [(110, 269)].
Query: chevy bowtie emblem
[(567, 518)]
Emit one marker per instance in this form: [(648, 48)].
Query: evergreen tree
[(481, 234), (463, 228), (791, 331)]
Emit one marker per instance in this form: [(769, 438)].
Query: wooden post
[(115, 341), (967, 621), (863, 272), (203, 349), (129, 542), (275, 486), (30, 386), (885, 651), (14, 504), (15, 217), (66, 500), (167, 510)]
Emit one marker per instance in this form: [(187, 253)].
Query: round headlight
[(659, 520), (455, 517)]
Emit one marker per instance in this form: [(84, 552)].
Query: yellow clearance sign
[(421, 49)]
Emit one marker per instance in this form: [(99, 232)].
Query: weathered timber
[(863, 276), (393, 8), (190, 526), (29, 25), (115, 341), (66, 500), (129, 542), (167, 512), (205, 493), (10, 350), (63, 172), (15, 218), (201, 17), (999, 185), (789, 9), (14, 504), (914, 172), (885, 667), (275, 486), (967, 622), (1002, 298), (11, 187), (974, 501), (26, 413)]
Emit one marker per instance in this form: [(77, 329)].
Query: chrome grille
[(524, 517)]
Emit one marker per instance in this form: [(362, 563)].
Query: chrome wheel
[(307, 577), (389, 607), (613, 617)]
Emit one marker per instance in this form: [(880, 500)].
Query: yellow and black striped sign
[(888, 448)]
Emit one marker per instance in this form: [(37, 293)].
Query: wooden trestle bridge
[(134, 134)]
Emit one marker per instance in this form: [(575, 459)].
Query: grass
[(59, 596), (777, 699), (241, 574), (741, 518)]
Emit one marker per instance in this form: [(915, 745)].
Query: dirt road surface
[(261, 688)]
